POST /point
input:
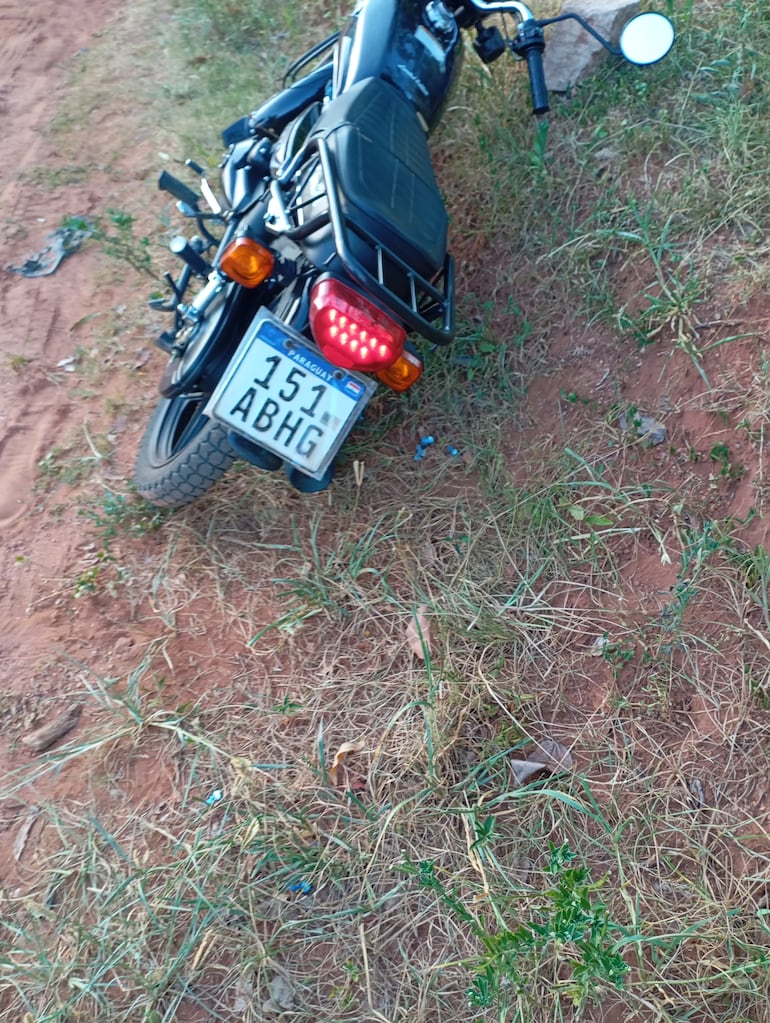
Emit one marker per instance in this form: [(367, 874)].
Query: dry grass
[(377, 894)]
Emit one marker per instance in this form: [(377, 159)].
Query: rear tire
[(183, 453)]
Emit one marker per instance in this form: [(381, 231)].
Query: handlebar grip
[(540, 104), (168, 183)]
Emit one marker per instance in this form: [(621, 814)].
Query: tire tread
[(190, 474)]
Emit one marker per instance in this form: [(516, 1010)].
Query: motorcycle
[(329, 247)]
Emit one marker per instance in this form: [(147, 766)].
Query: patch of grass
[(102, 576), (210, 88), (645, 193), (59, 177), (123, 515), (421, 875), (17, 362), (63, 465)]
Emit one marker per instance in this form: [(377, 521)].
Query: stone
[(647, 428), (122, 646), (571, 53)]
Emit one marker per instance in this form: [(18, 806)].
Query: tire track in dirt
[(35, 410), (36, 40), (37, 315)]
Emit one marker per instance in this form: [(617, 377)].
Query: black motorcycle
[(329, 247)]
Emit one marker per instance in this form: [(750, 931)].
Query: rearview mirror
[(647, 38)]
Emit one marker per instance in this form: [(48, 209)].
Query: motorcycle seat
[(384, 173)]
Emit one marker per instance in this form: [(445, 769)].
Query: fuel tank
[(412, 44)]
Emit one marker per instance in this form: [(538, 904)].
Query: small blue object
[(215, 796), (420, 452), (452, 451), (301, 887)]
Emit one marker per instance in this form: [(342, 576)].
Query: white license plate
[(281, 394)]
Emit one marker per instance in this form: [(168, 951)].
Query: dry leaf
[(47, 735), (548, 755), (428, 554), (418, 636), (555, 756), (281, 994), (524, 769), (244, 993), (142, 358), (23, 835), (345, 749)]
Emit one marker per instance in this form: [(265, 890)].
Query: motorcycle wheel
[(182, 454)]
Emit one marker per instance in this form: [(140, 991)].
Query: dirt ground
[(46, 326), (55, 423), (37, 318), (46, 321)]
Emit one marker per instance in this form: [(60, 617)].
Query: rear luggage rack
[(428, 302)]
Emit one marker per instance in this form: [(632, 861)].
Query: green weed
[(123, 515), (720, 453), (98, 576), (566, 920), (17, 362), (573, 922), (119, 240)]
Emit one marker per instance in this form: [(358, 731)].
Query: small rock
[(647, 428), (572, 53), (122, 646)]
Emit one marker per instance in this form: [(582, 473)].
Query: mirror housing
[(647, 38)]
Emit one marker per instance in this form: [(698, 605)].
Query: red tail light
[(350, 330)]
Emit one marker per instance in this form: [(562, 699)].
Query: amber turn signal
[(401, 374), (246, 262)]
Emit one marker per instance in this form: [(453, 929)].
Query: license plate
[(281, 394)]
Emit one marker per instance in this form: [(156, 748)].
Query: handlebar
[(645, 39), (537, 84), (521, 10), (529, 43)]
